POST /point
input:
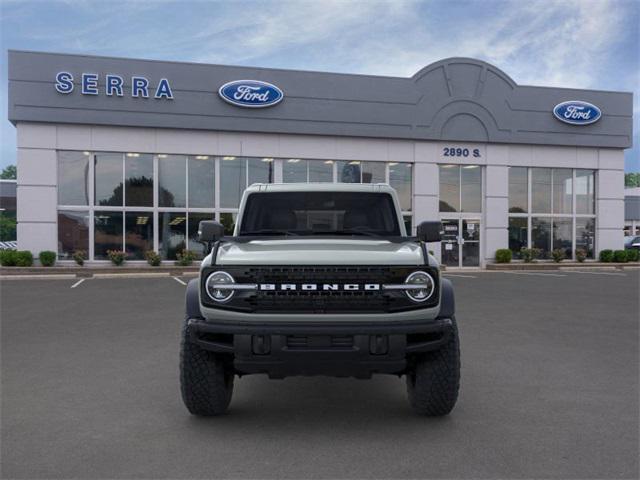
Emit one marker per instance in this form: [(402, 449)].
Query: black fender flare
[(447, 299), (192, 299)]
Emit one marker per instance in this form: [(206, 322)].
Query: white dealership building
[(131, 154)]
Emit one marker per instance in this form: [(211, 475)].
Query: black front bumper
[(341, 350)]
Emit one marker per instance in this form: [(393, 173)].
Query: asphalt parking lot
[(549, 390)]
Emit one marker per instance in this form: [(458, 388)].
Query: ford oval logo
[(577, 112), (251, 93)]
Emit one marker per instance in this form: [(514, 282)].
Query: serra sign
[(250, 93), (113, 85), (577, 112)]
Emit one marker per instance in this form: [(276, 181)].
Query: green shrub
[(620, 256), (47, 258), (24, 258), (8, 258), (503, 255), (558, 255), (606, 256), (581, 254), (530, 254), (80, 256), (185, 257), (117, 257), (153, 258), (633, 255)]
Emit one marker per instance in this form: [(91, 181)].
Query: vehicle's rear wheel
[(433, 383), (205, 383)]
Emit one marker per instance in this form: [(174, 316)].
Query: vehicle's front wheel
[(434, 380), (205, 383)]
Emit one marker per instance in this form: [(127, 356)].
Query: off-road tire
[(206, 385), (434, 380)]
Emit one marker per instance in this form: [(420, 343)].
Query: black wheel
[(205, 383), (433, 383)]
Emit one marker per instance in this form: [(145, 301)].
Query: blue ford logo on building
[(251, 93), (577, 112)]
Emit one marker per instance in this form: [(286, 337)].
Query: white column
[(426, 188), (37, 188), (610, 200), (496, 210)]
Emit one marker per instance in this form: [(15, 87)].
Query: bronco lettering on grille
[(325, 287)]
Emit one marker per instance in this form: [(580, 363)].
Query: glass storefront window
[(408, 224), (108, 179), (562, 235), (172, 191), (73, 233), (294, 170), (541, 190), (400, 178), (449, 188), (585, 192), (518, 190), (321, 171), (562, 190), (471, 188), (201, 181), (260, 170), (73, 178), (228, 220), (107, 233), (138, 177), (233, 181), (585, 235), (517, 235), (541, 235), (172, 234), (349, 172), (194, 222), (138, 234), (373, 172)]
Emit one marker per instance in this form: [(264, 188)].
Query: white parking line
[(599, 273), (78, 283), (178, 280), (456, 275), (538, 274)]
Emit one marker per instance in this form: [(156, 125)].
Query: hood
[(320, 251)]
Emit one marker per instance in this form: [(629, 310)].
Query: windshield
[(320, 213)]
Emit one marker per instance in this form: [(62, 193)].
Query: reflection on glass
[(518, 190), (400, 178), (108, 179), (260, 170), (373, 172), (541, 235), (73, 178), (450, 248), (585, 191), (138, 177), (194, 222), (562, 232), (138, 234), (172, 232), (73, 233), (294, 170), (228, 220), (107, 233), (585, 235), (471, 188), (171, 178), (562, 190), (517, 235), (320, 171), (202, 181), (541, 190), (233, 181), (349, 172), (449, 188)]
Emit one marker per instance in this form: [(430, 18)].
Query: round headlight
[(426, 284), (215, 286)]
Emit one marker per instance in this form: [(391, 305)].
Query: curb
[(561, 266), (51, 273)]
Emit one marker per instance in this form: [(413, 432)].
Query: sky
[(564, 43)]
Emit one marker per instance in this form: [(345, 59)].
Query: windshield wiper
[(269, 231)]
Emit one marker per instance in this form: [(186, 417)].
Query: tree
[(632, 180), (9, 173)]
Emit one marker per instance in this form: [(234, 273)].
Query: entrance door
[(460, 245)]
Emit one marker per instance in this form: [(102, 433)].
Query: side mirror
[(210, 231), (429, 231)]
